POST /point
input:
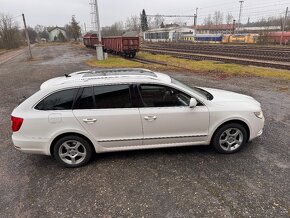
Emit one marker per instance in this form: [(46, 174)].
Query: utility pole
[(98, 23), (27, 36), (99, 47), (234, 26), (195, 21), (240, 15), (283, 26)]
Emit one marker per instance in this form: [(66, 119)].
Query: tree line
[(11, 36), (219, 18), (138, 23)]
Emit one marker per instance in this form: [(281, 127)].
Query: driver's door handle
[(150, 118)]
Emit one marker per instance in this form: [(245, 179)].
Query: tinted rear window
[(62, 100), (87, 100), (114, 96)]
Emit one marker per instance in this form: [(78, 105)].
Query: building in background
[(215, 29), (170, 34), (57, 34), (245, 29)]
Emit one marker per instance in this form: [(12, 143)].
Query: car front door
[(106, 112), (168, 119)]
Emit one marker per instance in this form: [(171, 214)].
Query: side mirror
[(192, 103)]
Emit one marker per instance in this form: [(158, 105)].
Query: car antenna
[(66, 75)]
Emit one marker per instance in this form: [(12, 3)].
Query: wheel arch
[(241, 122), (70, 134)]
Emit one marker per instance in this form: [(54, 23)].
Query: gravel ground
[(175, 182)]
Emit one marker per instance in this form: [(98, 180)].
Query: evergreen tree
[(74, 29), (144, 21), (162, 25), (44, 34), (61, 37)]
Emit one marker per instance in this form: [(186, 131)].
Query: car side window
[(87, 100), (112, 96), (163, 96), (62, 100)]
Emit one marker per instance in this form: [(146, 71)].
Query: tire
[(229, 138), (72, 151)]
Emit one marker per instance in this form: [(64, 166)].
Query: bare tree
[(10, 36), (208, 20), (32, 34), (218, 17), (229, 18), (133, 23), (116, 29), (39, 28), (157, 21)]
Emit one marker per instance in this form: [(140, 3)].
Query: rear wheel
[(72, 151), (230, 138)]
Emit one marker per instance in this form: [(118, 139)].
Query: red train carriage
[(127, 46), (90, 40), (121, 45), (275, 37)]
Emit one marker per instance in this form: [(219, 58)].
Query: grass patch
[(184, 65), (218, 67), (115, 62)]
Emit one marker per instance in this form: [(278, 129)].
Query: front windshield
[(201, 92)]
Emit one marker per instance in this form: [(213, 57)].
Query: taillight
[(16, 123)]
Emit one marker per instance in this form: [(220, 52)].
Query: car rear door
[(167, 117), (107, 113)]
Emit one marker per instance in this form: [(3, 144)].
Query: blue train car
[(209, 38)]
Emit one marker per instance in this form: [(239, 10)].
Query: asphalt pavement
[(172, 182)]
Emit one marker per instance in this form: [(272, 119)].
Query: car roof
[(106, 76)]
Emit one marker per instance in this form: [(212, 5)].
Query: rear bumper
[(31, 145)]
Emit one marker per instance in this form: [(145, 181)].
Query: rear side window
[(87, 100), (62, 100), (114, 96), (105, 97)]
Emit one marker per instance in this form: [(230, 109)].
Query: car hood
[(220, 96)]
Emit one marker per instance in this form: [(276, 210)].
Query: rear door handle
[(90, 120), (150, 118)]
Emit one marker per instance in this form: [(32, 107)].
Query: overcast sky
[(59, 12)]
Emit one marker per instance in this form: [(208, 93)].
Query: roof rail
[(119, 72)]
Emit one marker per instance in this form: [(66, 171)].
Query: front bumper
[(257, 128)]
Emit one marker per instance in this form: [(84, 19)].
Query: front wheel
[(230, 138), (72, 151)]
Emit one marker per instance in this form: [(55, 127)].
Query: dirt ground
[(173, 182)]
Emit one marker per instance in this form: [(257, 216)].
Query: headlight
[(259, 114)]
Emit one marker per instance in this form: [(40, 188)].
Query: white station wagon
[(124, 109)]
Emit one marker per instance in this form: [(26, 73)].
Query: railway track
[(225, 46), (244, 61), (231, 51), (266, 56), (146, 61)]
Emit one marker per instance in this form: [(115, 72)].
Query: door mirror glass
[(193, 103)]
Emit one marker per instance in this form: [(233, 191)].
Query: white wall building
[(167, 34), (54, 33)]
